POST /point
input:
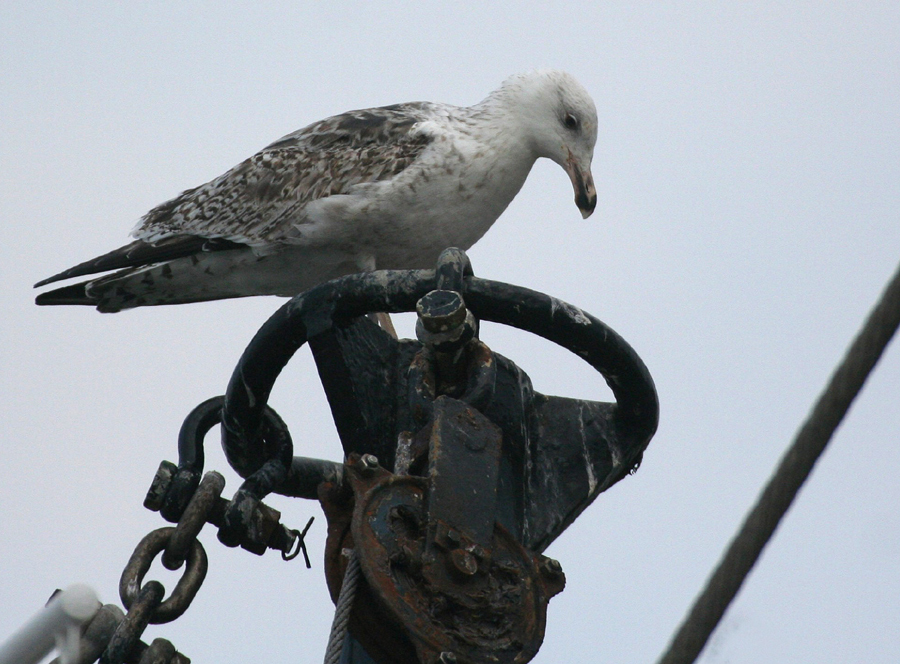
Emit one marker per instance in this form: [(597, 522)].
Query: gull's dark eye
[(570, 121)]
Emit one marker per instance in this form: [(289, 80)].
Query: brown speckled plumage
[(257, 200)]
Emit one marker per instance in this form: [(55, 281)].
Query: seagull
[(379, 188)]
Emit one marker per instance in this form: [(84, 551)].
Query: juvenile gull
[(380, 188)]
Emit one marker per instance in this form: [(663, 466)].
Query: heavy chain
[(113, 636)]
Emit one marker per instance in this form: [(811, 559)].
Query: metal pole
[(57, 625)]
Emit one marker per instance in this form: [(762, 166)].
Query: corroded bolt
[(453, 538), (464, 562), (368, 464), (441, 311), (550, 567)]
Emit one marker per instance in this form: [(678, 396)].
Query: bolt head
[(441, 310), (447, 657), (550, 567)]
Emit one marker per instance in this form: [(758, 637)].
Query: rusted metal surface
[(432, 592)]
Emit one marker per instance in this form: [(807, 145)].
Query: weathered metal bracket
[(458, 473), (462, 443), (558, 453), (433, 596)]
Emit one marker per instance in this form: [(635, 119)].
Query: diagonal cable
[(795, 467)]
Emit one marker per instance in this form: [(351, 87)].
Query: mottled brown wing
[(256, 201)]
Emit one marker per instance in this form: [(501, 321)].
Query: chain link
[(131, 583), (108, 626)]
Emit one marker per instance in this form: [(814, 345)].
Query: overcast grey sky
[(748, 172)]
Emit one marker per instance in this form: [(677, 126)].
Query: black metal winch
[(457, 473)]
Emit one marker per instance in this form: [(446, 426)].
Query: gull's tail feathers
[(140, 253), (204, 276)]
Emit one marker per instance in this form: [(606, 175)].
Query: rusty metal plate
[(450, 597)]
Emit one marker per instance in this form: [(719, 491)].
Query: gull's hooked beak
[(583, 181)]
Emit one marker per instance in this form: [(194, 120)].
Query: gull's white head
[(561, 124)]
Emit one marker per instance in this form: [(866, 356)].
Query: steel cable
[(342, 609), (795, 467)]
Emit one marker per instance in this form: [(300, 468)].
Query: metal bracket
[(459, 474)]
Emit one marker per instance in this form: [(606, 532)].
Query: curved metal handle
[(390, 291)]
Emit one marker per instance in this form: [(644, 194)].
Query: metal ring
[(130, 585)]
